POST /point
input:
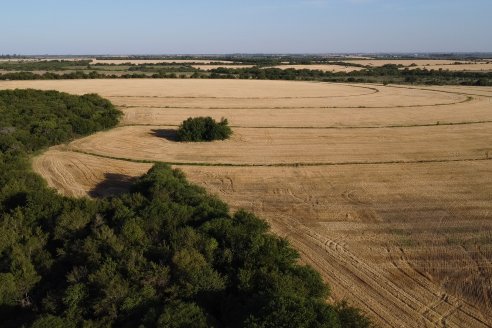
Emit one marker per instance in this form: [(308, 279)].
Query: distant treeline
[(45, 65), (385, 74), (166, 254)]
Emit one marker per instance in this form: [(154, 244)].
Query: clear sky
[(243, 26)]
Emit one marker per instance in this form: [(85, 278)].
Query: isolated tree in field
[(204, 129)]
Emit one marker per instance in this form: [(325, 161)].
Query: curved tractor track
[(384, 189)]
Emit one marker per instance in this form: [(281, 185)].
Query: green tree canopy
[(204, 129)]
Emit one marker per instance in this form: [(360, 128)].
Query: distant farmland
[(386, 190)]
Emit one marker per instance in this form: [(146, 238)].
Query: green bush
[(203, 129)]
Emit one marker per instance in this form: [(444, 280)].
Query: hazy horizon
[(255, 27)]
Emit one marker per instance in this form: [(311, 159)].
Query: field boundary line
[(469, 98), (280, 164), (245, 98), (328, 127)]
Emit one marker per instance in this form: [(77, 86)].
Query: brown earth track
[(409, 242)]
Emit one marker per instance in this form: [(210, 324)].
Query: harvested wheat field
[(386, 190), (468, 67), (77, 175), (325, 68), (155, 61), (405, 62), (447, 65), (211, 67)]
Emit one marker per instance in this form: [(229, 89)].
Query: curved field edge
[(290, 147), (165, 253)]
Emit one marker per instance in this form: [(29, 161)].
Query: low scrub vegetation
[(204, 129), (45, 65), (166, 254), (262, 70)]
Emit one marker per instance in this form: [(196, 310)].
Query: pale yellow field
[(41, 59), (325, 68), (155, 61), (406, 241), (477, 67), (448, 65), (211, 67), (404, 62), (271, 146), (243, 94), (394, 210), (86, 175)]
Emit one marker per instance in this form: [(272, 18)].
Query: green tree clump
[(166, 254), (204, 129)]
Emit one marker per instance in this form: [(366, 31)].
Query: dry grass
[(475, 67), (227, 94), (410, 243), (211, 67), (78, 175), (406, 62), (273, 146), (155, 61), (15, 60), (194, 88), (448, 65), (409, 232), (325, 68)]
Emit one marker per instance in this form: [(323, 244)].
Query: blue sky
[(233, 26)]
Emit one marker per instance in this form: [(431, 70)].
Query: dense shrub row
[(385, 74), (44, 65), (166, 254), (31, 120)]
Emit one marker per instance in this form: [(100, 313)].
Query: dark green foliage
[(45, 65), (204, 129), (166, 254), (386, 74), (351, 317), (389, 73), (31, 120)]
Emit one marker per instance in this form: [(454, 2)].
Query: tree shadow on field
[(113, 185), (168, 134)]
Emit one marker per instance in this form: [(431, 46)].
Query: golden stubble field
[(385, 190), (447, 65), (154, 61), (323, 67)]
